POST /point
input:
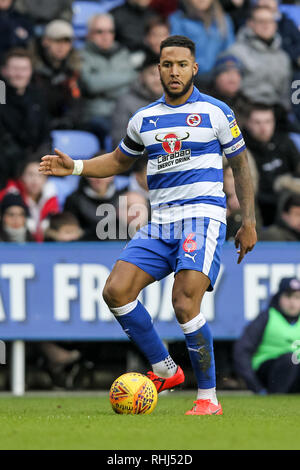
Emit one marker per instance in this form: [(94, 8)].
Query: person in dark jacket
[(16, 29), (43, 11), (56, 71), (267, 356), (287, 227), (275, 155), (24, 121), (85, 203), (130, 21)]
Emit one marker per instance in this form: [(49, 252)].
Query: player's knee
[(115, 294), (184, 306), (111, 294)]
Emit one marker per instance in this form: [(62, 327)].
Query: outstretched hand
[(245, 240), (56, 165)]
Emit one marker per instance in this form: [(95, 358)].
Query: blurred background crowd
[(76, 71)]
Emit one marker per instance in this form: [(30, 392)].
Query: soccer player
[(185, 134)]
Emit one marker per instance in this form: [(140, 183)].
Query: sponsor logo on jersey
[(193, 120), (171, 142), (235, 147), (173, 159)]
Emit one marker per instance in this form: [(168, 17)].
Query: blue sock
[(138, 325), (200, 347)]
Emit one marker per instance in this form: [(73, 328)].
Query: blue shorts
[(193, 244)]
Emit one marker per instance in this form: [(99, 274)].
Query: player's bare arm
[(102, 166), (246, 236)]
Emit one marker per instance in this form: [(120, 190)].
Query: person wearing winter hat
[(225, 83), (13, 223), (267, 356)]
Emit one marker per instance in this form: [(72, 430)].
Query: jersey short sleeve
[(228, 132), (132, 145)]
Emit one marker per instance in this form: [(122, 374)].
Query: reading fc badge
[(193, 120)]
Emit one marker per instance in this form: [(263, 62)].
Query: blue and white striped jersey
[(185, 145)]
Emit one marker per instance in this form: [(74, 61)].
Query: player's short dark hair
[(179, 41), (293, 200)]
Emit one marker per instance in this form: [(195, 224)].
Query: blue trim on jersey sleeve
[(237, 152), (165, 121), (180, 178), (127, 153), (233, 142)]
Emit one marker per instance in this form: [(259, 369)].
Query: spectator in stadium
[(267, 356), (205, 23), (38, 194), (24, 121), (63, 227), (106, 75), (287, 225), (225, 85), (238, 11), (164, 7), (146, 89), (156, 31), (56, 71), (95, 202), (133, 214), (137, 179), (266, 66), (275, 156), (131, 19), (42, 12), (16, 29), (289, 33), (13, 223)]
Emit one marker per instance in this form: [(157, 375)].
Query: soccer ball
[(133, 393)]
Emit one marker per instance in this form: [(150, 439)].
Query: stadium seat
[(83, 10), (78, 144), (292, 11), (296, 139)]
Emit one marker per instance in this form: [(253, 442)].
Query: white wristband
[(78, 167)]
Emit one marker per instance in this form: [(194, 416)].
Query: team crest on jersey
[(193, 120), (171, 142)]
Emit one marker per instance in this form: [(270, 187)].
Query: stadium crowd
[(71, 77)]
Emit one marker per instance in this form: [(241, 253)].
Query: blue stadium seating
[(296, 139), (83, 10), (292, 11), (78, 144)]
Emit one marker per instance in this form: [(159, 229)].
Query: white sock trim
[(207, 394), (194, 324), (118, 311)]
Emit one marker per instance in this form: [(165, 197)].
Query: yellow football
[(133, 393)]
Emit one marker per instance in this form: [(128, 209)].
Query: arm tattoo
[(243, 186)]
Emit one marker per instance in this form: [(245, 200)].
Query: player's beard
[(175, 95)]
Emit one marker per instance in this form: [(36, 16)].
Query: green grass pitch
[(88, 422)]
